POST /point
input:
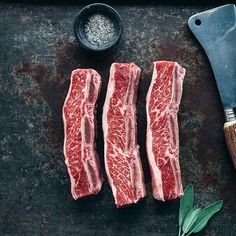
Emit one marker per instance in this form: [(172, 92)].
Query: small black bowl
[(82, 18)]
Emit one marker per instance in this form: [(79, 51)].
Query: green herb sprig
[(194, 219)]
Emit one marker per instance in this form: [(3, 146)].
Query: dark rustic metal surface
[(38, 53)]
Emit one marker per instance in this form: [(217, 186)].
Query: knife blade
[(215, 29)]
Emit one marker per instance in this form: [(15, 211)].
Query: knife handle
[(230, 136)]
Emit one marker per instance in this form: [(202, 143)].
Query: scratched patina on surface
[(38, 53)]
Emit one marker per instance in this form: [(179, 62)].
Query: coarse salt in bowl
[(98, 27)]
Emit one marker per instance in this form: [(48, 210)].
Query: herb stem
[(179, 231)]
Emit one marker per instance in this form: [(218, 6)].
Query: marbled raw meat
[(162, 139), (122, 162), (79, 127)]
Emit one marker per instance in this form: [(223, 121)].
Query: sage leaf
[(186, 203), (190, 218), (205, 215)]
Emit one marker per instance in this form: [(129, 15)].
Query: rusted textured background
[(38, 53)]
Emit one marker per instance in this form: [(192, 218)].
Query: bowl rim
[(77, 30)]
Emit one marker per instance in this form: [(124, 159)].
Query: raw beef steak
[(79, 126), (122, 161), (163, 99)]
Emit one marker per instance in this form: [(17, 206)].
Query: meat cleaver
[(215, 29)]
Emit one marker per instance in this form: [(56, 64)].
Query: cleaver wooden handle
[(230, 136)]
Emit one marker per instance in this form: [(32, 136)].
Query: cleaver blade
[(215, 29)]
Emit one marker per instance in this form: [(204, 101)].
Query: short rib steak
[(79, 127), (122, 162), (162, 141)]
